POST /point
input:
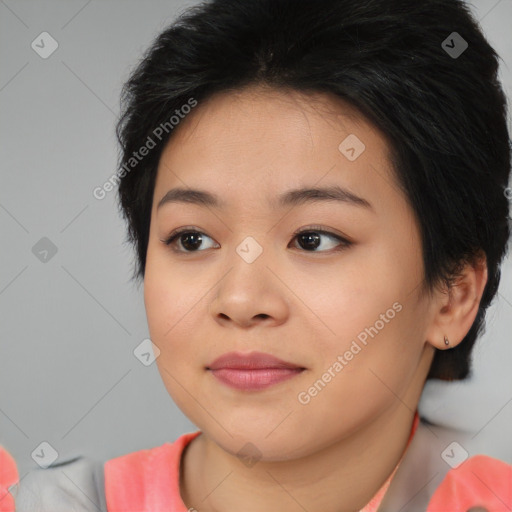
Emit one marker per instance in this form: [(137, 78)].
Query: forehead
[(263, 141)]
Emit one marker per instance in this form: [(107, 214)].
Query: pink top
[(8, 476), (148, 480), (481, 481)]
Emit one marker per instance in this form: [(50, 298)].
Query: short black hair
[(422, 72)]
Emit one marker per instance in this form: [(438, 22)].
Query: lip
[(250, 361), (252, 371)]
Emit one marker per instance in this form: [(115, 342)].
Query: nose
[(250, 294)]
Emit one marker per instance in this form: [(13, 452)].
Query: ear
[(456, 308)]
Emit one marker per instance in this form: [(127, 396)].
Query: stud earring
[(446, 341)]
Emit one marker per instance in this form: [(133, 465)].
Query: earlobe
[(455, 316)]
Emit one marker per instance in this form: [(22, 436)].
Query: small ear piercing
[(446, 341)]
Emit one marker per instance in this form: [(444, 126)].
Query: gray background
[(69, 326)]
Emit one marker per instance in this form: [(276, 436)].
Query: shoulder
[(478, 481), (74, 484), (146, 477), (83, 484), (445, 466)]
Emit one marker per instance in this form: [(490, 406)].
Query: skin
[(301, 304)]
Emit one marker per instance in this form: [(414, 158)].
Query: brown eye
[(187, 240), (190, 240), (311, 239)]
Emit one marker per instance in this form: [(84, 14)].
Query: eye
[(191, 239), (188, 238), (311, 238)]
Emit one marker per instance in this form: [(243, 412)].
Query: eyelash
[(174, 236)]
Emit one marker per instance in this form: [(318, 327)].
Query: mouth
[(252, 371), (254, 379)]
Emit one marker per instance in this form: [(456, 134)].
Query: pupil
[(189, 238), (311, 238)]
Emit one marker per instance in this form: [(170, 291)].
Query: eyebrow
[(290, 198)]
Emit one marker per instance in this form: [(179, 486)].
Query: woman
[(316, 195)]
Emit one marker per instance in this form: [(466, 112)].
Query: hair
[(444, 115)]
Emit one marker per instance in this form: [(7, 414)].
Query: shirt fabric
[(148, 480), (129, 477)]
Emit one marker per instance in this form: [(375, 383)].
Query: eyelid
[(323, 230)]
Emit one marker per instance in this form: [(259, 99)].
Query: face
[(342, 300)]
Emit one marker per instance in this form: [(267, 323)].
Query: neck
[(341, 477)]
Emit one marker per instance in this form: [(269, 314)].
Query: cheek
[(176, 313), (355, 381), (350, 301), (165, 304), (167, 297), (372, 323), (169, 315), (376, 361), (158, 295)]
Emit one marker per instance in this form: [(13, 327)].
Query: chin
[(253, 441)]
